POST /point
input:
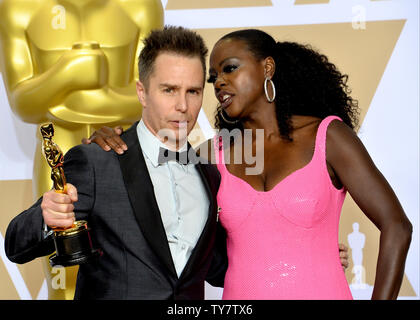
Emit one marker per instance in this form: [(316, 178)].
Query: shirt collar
[(150, 144)]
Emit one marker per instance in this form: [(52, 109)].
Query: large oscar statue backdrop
[(73, 62)]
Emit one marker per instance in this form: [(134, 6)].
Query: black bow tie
[(167, 155)]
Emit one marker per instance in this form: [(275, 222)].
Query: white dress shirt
[(180, 195)]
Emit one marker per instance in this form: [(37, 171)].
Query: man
[(155, 221)]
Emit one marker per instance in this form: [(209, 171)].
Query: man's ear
[(141, 93)]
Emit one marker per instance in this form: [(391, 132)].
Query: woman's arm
[(353, 166)]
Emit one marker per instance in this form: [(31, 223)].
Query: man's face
[(173, 99)]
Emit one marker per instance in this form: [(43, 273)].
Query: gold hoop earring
[(266, 91)]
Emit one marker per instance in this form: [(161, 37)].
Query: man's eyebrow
[(168, 85), (174, 86), (196, 88)]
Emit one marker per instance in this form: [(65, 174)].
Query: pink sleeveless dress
[(283, 243)]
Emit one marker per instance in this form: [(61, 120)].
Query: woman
[(282, 224)]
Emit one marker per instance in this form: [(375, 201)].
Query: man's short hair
[(171, 39)]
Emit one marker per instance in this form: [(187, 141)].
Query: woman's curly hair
[(306, 82)]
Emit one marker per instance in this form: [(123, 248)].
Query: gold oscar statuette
[(73, 246)]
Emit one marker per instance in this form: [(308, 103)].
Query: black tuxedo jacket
[(116, 197)]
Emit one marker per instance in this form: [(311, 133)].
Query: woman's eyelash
[(211, 79), (229, 68)]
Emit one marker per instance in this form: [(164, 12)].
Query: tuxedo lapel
[(200, 251), (142, 197)]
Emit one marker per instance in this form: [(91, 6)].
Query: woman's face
[(237, 77)]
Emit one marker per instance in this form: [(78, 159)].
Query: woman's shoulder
[(339, 131), (342, 142)]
